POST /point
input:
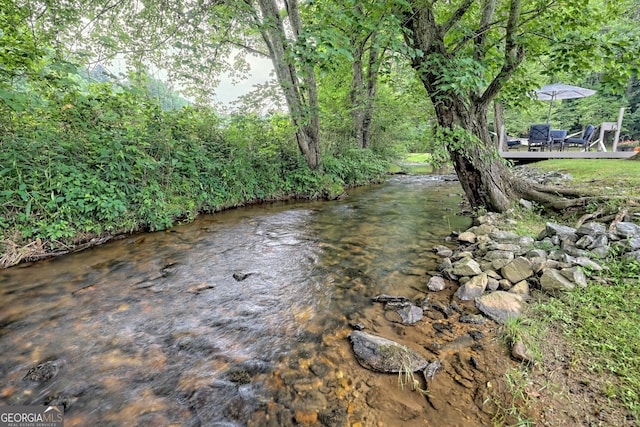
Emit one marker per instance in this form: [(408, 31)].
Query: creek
[(239, 318)]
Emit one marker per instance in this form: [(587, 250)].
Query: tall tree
[(361, 33), (466, 51), (301, 93), (368, 53), (194, 41)]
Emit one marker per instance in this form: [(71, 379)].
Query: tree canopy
[(466, 54)]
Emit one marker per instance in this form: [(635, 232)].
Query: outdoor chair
[(539, 137), (558, 137), (513, 142), (584, 141)]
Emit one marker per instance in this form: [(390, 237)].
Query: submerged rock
[(436, 284), (382, 355), (383, 298), (44, 371), (410, 315)]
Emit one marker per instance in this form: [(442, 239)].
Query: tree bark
[(301, 96), (498, 123), (356, 93), (485, 179), (364, 87), (372, 85)]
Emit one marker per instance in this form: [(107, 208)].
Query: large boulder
[(467, 237), (563, 232), (517, 270), (382, 355), (500, 305), (627, 230), (473, 288), (466, 267), (558, 281), (591, 229)]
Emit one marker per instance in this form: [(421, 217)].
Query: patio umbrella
[(561, 91)]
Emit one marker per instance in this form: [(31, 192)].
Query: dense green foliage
[(94, 160), (82, 156)]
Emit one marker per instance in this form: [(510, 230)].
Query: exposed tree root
[(560, 198), (619, 217), (586, 217)]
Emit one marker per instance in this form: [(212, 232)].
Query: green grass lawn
[(414, 164), (610, 176), (418, 158), (601, 325)]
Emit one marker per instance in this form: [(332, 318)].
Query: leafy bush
[(80, 159), (356, 166)]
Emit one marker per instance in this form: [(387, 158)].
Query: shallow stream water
[(239, 318)]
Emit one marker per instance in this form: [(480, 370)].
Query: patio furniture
[(614, 127), (539, 137), (558, 136), (584, 141), (513, 142)]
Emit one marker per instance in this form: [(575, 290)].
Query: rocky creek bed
[(459, 361), (431, 354)]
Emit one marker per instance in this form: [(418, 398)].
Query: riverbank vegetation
[(585, 343), (86, 154), (83, 163)]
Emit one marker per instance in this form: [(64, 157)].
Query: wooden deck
[(524, 156)]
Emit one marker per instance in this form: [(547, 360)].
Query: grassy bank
[(587, 341), (608, 176)]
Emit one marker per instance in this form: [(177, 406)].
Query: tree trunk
[(498, 124), (462, 111), (486, 183), (363, 89), (372, 85), (356, 94), (301, 97)]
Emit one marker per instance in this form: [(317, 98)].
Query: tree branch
[(513, 53), (457, 15), (488, 10)]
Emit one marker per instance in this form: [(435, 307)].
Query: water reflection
[(238, 318)]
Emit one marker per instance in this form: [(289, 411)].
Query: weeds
[(601, 324), (512, 410), (407, 377), (115, 162)]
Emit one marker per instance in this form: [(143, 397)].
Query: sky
[(228, 90)]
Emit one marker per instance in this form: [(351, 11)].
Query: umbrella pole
[(553, 97)]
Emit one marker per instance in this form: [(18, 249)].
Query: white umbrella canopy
[(561, 91)]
